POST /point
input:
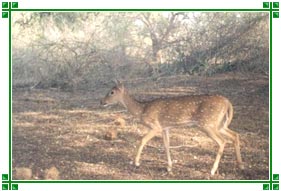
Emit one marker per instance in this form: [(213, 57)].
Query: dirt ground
[(62, 135)]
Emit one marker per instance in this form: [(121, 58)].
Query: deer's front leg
[(144, 140)]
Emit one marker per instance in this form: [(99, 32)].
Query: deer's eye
[(112, 92)]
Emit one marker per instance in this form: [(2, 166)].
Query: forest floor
[(63, 135)]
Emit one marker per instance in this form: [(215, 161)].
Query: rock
[(23, 173), (51, 174), (111, 134), (120, 122)]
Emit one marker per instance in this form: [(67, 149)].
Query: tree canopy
[(68, 49)]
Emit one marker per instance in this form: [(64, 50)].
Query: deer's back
[(187, 110)]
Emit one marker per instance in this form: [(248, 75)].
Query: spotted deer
[(210, 113)]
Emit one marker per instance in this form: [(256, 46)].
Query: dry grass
[(61, 135)]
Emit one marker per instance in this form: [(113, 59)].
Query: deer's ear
[(119, 85), (117, 82)]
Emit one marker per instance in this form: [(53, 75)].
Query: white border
[(150, 4)]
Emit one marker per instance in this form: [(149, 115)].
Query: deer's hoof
[(241, 166), (213, 172), (137, 164), (169, 169)]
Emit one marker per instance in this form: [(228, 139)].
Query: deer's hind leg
[(234, 138), (218, 138), (166, 140)]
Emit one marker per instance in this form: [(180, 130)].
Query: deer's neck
[(132, 105)]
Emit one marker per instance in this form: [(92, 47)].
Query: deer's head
[(115, 95)]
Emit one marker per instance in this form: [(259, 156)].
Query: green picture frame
[(272, 8)]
